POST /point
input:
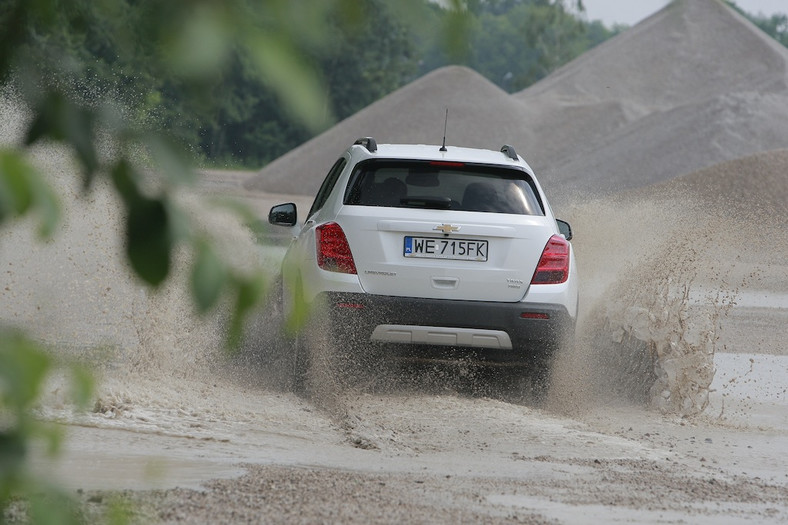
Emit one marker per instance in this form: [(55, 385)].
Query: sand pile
[(480, 115), (740, 208), (690, 51), (691, 86), (757, 183)]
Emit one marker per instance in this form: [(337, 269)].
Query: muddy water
[(668, 283), (661, 280)]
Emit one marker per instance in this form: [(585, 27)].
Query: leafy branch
[(49, 82)]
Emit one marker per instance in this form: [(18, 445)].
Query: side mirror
[(565, 229), (283, 215)]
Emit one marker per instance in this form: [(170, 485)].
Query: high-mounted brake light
[(553, 267), (333, 250), (447, 164)]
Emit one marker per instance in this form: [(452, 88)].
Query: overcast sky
[(631, 12)]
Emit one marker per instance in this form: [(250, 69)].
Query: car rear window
[(443, 186)]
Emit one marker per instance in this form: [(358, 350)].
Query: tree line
[(110, 50)]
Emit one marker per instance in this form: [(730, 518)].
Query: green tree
[(220, 107), (776, 25), (369, 62), (515, 43), (365, 60)]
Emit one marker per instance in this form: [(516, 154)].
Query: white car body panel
[(375, 234)]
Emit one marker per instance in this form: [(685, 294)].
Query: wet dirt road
[(433, 457), (199, 437)]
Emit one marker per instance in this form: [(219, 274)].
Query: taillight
[(553, 267), (333, 250)]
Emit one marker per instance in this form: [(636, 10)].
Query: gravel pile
[(480, 115), (693, 85), (758, 182)]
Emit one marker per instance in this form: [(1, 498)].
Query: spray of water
[(661, 272), (76, 294)]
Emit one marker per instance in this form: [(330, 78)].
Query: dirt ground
[(183, 433), (248, 454)]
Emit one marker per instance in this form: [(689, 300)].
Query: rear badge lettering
[(382, 274), (514, 283)]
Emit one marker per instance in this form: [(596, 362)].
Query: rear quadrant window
[(328, 185)]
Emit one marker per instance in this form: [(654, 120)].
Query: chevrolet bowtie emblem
[(447, 228)]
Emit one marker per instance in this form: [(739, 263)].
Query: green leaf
[(13, 450), (296, 84), (209, 276), (23, 366), (249, 293), (120, 511), (82, 385), (16, 196), (79, 125), (22, 190), (46, 205), (169, 160), (51, 434), (124, 177), (296, 318), (60, 119), (203, 42), (53, 507), (148, 239)]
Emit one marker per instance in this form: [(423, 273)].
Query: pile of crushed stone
[(691, 86)]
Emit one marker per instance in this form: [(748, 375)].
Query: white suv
[(433, 252)]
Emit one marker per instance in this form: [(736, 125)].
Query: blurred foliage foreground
[(189, 40)]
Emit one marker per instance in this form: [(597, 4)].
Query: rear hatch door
[(444, 254)]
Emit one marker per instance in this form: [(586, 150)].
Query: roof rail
[(369, 143), (509, 150)]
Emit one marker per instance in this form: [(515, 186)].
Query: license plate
[(441, 248)]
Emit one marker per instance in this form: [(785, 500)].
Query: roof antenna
[(446, 121)]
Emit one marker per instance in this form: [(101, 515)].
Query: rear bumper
[(448, 329)]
